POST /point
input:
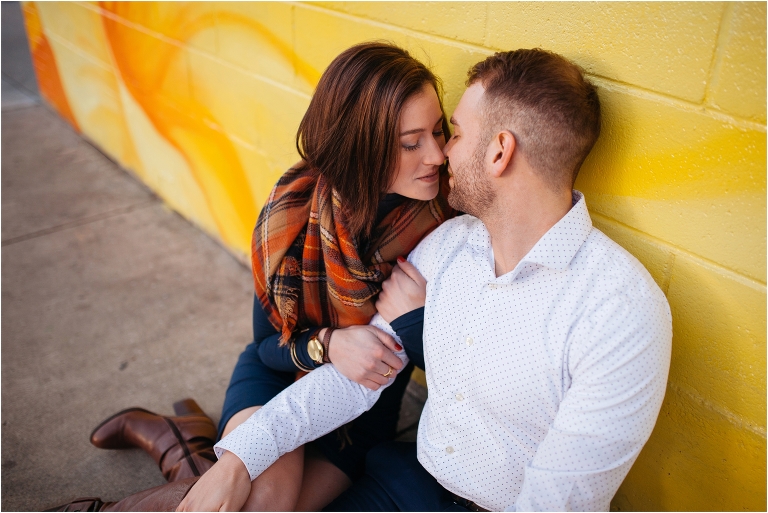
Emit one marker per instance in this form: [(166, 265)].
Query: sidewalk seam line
[(18, 85), (78, 222), (14, 108)]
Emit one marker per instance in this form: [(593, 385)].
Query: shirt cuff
[(255, 448), (408, 319)]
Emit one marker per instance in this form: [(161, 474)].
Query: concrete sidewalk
[(109, 300)]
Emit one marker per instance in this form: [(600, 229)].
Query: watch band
[(327, 343)]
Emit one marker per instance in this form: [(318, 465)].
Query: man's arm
[(315, 405), (618, 361)]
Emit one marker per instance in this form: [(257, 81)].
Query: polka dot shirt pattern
[(544, 383)]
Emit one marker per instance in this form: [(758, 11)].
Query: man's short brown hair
[(545, 101)]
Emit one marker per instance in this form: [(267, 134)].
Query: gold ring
[(389, 372)]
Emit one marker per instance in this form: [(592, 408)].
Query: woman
[(366, 191)]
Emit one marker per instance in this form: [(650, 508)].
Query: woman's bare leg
[(278, 487), (323, 482)]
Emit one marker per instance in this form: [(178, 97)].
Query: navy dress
[(264, 369)]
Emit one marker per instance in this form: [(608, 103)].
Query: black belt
[(466, 503)]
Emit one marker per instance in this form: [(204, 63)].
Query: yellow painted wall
[(201, 101)]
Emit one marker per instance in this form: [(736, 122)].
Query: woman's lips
[(430, 178)]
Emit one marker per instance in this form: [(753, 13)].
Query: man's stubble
[(472, 192)]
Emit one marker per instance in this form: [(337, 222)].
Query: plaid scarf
[(307, 267)]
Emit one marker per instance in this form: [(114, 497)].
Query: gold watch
[(315, 349)]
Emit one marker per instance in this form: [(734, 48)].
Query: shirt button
[(492, 285), (470, 341), (449, 449), (459, 397)]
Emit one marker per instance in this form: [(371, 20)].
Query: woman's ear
[(501, 148)]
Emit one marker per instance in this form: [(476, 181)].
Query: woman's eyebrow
[(453, 121), (419, 130), (414, 131)]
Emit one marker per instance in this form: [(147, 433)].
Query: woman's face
[(421, 147)]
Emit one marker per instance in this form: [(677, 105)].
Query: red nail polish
[(400, 259), (398, 346)]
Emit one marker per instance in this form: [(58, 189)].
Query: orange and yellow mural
[(201, 101)]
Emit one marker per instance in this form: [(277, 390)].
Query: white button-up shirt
[(544, 383)]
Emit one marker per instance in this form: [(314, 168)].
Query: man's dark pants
[(394, 480)]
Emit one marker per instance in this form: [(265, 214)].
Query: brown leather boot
[(166, 497), (182, 446)]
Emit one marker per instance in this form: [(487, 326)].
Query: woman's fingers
[(389, 342), (364, 354), (386, 339), (410, 270), (405, 290), (371, 384)]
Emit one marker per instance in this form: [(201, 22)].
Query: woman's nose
[(434, 156)]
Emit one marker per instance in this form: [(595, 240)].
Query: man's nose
[(447, 147)]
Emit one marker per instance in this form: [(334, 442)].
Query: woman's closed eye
[(436, 134)]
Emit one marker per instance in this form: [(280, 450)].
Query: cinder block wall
[(201, 101)]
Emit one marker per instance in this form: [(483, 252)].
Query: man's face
[(471, 190)]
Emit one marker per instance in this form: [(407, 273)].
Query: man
[(546, 345)]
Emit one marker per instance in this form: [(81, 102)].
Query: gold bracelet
[(296, 360)]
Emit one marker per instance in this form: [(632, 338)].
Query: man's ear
[(501, 149)]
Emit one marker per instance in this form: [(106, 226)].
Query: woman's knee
[(238, 418), (278, 487)]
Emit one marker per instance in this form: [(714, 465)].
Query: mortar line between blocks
[(723, 36), (604, 81), (733, 418), (736, 276)]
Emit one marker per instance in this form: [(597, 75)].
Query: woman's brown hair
[(349, 133)]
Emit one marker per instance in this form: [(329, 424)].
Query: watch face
[(315, 350)]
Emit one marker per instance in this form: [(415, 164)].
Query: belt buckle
[(466, 503)]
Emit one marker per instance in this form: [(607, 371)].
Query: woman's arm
[(401, 303), (268, 345), (410, 328), (357, 353)]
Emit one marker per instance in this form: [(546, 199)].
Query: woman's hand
[(364, 354), (225, 487), (403, 291)]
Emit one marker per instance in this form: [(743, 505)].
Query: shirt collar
[(560, 244), (555, 249)]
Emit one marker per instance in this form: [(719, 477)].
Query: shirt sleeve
[(618, 361), (410, 328), (270, 351), (313, 406)]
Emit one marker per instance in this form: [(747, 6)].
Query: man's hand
[(225, 487), (364, 354), (403, 291)]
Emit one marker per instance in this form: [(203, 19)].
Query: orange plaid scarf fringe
[(307, 269)]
